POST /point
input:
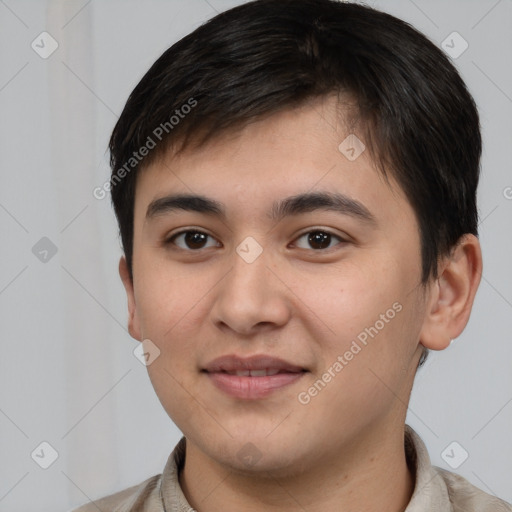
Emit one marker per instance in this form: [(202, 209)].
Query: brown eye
[(193, 240), (317, 240)]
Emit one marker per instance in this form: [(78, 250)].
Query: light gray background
[(67, 372)]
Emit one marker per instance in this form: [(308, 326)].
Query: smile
[(253, 384), (253, 377)]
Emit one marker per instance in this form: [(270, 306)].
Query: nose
[(251, 298)]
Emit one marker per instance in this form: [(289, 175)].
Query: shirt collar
[(430, 491), (171, 494)]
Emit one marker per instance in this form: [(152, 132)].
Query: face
[(295, 258)]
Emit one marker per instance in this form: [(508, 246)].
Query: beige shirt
[(435, 490)]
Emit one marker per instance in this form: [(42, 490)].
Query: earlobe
[(133, 320), (452, 295)]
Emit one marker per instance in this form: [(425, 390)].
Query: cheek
[(349, 298), (371, 322), (175, 395), (166, 298)]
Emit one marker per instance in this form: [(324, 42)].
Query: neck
[(371, 475)]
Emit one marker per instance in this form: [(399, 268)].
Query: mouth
[(257, 363), (254, 377), (255, 373)]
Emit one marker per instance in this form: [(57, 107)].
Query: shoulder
[(464, 496), (156, 494), (137, 498), (437, 489)]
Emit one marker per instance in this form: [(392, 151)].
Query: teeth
[(255, 373), (258, 373)]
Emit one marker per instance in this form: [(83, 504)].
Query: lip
[(233, 363), (252, 387)]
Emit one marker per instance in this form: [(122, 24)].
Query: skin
[(344, 449)]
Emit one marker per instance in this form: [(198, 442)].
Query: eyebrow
[(293, 205)]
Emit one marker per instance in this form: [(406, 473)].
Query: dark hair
[(420, 122)]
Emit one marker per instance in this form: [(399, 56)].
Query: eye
[(317, 239), (192, 240)]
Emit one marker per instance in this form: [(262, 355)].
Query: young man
[(295, 185)]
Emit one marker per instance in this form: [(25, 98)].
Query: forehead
[(307, 149)]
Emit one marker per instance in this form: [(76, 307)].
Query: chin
[(261, 452)]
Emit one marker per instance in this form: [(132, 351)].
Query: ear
[(451, 296), (133, 319)]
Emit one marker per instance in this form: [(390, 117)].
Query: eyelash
[(171, 240)]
